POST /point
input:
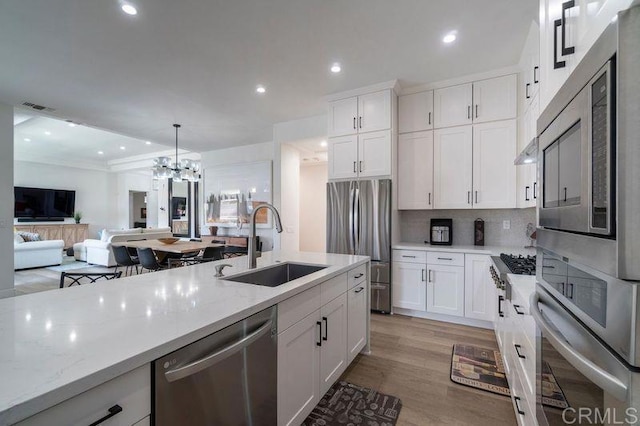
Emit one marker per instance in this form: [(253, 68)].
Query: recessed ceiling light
[(27, 140), (129, 9), (48, 133), (100, 152), (336, 68), (72, 124), (122, 148), (528, 161), (323, 143), (147, 143), (449, 38), (260, 89)]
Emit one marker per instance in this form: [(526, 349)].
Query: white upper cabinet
[(374, 111), (343, 157), (452, 167), (495, 99), (358, 114), (494, 175), (415, 171), (374, 154), (452, 105), (343, 117), (415, 112)]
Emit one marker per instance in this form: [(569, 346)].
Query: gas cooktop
[(521, 265)]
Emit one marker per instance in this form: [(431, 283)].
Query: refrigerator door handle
[(352, 239), (356, 220)]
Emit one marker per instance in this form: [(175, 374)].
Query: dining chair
[(124, 259), (209, 254), (148, 260), (79, 278)]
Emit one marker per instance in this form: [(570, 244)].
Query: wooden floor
[(411, 359), (28, 281)]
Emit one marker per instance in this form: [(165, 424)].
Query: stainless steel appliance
[(589, 156), (227, 378), (441, 232), (359, 222), (588, 343)]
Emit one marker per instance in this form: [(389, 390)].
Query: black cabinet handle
[(360, 122), (570, 290), (354, 123), (358, 276), (359, 289), (526, 193), (445, 258), (360, 166), (326, 328), (476, 197), (319, 325), (535, 194), (429, 118), (429, 198), (500, 299), (112, 412), (422, 276), (519, 312), (571, 49), (354, 167), (410, 257), (556, 63), (526, 90), (518, 347), (536, 80), (476, 110), (517, 400), (469, 112), (565, 194)]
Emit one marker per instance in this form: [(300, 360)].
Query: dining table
[(179, 247)]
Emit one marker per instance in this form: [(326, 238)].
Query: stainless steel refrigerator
[(359, 222)]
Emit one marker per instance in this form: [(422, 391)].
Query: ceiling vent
[(37, 107)]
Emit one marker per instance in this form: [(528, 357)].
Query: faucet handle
[(220, 268)]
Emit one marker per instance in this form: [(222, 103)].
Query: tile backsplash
[(414, 225)]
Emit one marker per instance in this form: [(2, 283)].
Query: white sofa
[(99, 252), (36, 254)]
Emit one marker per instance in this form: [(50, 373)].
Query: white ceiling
[(197, 62)]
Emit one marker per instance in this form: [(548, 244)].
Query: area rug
[(346, 403), (482, 368)]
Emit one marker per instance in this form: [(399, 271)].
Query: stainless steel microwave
[(589, 156)]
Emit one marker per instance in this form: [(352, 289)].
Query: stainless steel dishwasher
[(227, 378)]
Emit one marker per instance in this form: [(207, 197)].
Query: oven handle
[(219, 355), (596, 374)]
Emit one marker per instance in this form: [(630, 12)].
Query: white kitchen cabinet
[(495, 99), (343, 117), (530, 66), (374, 154), (298, 370), (409, 288), (359, 114), (343, 157), (415, 171), (479, 289), (527, 190), (445, 290), (452, 105), (333, 352), (415, 112), (356, 320), (131, 391), (453, 167), (494, 174)]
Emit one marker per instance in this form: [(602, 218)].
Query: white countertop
[(57, 344), (490, 250), (524, 285)]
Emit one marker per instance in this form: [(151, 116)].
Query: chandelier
[(178, 171)]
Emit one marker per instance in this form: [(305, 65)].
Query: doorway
[(137, 209)]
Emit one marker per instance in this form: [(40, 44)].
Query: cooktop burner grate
[(521, 265)]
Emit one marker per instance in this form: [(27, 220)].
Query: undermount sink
[(273, 276)]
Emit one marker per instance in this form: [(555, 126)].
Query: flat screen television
[(38, 203)]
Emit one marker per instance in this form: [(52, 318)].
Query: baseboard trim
[(445, 318), (9, 292)]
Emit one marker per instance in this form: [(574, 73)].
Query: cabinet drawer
[(445, 258), (131, 391), (333, 288), (296, 308), (410, 256), (524, 359), (357, 275)]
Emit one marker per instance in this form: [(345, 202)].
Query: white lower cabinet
[(321, 330), (131, 392), (479, 291), (409, 285), (445, 290)]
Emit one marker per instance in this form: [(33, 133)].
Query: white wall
[(313, 207), (238, 155), (290, 197), (94, 193), (6, 197)]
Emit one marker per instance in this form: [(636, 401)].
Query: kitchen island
[(58, 344)]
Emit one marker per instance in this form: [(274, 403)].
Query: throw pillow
[(17, 239), (29, 236)]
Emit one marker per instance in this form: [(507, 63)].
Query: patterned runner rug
[(482, 368), (346, 403)]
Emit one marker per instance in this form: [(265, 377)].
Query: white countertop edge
[(488, 250), (54, 396)]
